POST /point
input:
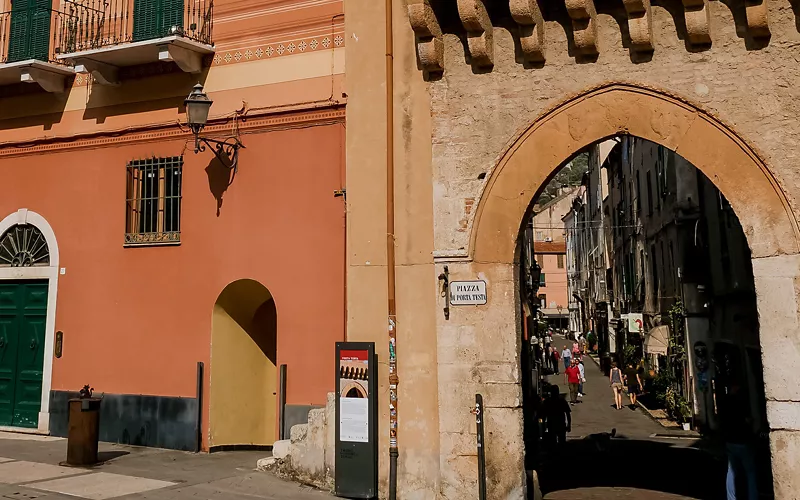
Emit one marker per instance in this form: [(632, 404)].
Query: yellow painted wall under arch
[(243, 376)]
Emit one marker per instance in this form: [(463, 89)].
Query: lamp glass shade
[(197, 107)]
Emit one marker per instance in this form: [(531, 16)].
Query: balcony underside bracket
[(187, 60), (104, 74), (49, 81)]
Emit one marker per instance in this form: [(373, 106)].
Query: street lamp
[(198, 105)]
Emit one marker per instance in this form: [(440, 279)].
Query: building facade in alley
[(677, 264), (128, 256), (544, 243)]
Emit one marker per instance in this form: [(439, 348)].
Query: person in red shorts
[(572, 375)]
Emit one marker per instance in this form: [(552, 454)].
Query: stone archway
[(734, 167)]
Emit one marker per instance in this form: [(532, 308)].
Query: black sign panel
[(356, 473)]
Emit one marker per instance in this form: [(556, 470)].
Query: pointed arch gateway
[(533, 157)]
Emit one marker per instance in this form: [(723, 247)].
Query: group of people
[(551, 358), (620, 380), (555, 413)]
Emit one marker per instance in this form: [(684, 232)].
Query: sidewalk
[(636, 464), (29, 469)]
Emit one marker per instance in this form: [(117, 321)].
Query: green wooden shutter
[(30, 30), (145, 19), (20, 29), (39, 47), (155, 18), (172, 15)]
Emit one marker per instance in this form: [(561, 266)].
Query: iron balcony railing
[(30, 33), (95, 24)]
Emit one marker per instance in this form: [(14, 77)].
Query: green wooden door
[(23, 312), (29, 36), (155, 18)]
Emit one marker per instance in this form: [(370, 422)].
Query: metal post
[(478, 411), (282, 403), (198, 428)]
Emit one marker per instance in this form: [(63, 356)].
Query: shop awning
[(657, 340)]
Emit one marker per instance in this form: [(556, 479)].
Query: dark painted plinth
[(156, 421)]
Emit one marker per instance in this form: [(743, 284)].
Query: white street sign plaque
[(467, 293)]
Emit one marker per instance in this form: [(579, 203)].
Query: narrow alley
[(642, 460)]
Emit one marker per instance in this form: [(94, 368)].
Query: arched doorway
[(28, 284), (732, 166), (243, 378)]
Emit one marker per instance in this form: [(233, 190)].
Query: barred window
[(154, 201)]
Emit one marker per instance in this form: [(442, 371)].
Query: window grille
[(154, 201)]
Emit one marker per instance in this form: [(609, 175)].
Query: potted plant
[(683, 412)]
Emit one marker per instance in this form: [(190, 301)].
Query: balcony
[(27, 35), (101, 36)]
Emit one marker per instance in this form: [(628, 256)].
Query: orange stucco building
[(158, 257)]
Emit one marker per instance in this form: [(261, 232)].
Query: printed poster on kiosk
[(354, 396)]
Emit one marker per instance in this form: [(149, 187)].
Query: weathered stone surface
[(785, 447), (309, 455), (281, 449)]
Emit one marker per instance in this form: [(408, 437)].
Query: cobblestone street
[(644, 461)]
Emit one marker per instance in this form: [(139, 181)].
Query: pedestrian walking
[(555, 361), (572, 376), (566, 355), (737, 430), (615, 379), (582, 344), (582, 371), (634, 383), (558, 417)]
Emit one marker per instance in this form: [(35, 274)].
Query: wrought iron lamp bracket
[(226, 151)]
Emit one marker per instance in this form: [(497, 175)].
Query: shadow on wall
[(220, 178)]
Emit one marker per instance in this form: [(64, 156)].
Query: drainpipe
[(390, 256)]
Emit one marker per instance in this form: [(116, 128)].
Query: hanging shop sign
[(635, 323), (356, 473), (468, 293)]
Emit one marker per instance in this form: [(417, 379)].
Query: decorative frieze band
[(475, 20), (527, 15), (300, 118), (529, 23)]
